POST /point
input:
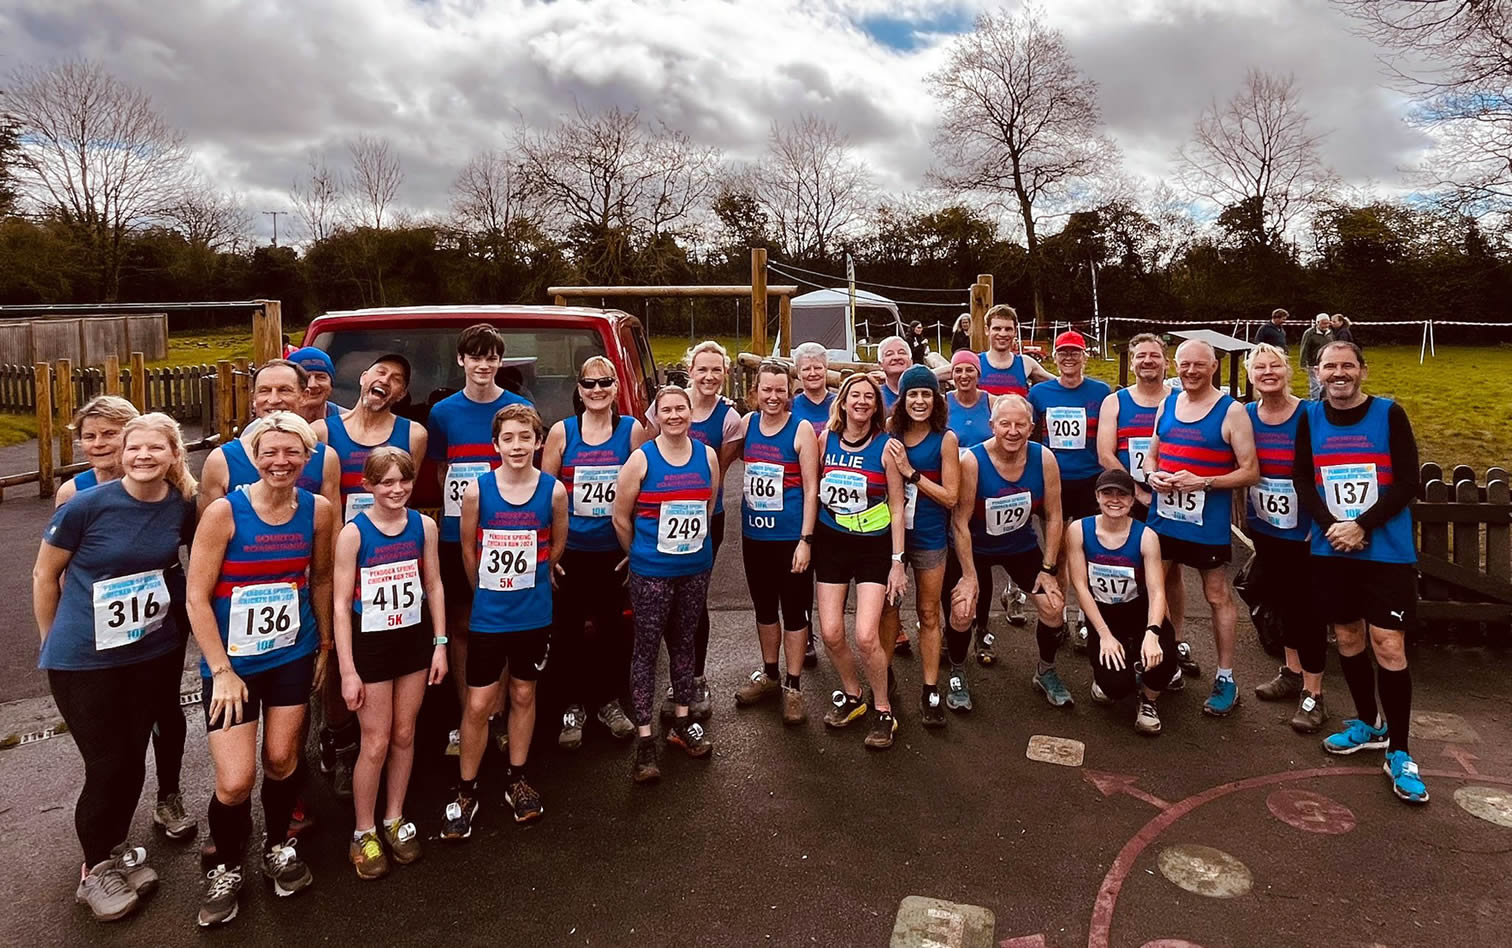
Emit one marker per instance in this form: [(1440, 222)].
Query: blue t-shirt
[(1068, 418), (112, 535), (461, 441)]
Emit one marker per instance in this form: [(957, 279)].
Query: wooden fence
[(1464, 546), (180, 391)]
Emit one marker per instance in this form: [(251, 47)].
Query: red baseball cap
[(1070, 339)]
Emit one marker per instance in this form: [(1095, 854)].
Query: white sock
[(358, 834), (1227, 673)]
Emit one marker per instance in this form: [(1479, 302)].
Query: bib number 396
[(681, 526), (507, 560), (127, 608), (264, 618)]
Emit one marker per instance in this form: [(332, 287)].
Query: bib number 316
[(127, 608)]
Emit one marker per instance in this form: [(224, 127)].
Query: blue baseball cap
[(312, 359)]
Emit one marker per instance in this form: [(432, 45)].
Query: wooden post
[(225, 398), (43, 373), (758, 300), (981, 301), (560, 300), (112, 374), (785, 324), (66, 409), (979, 333), (1123, 366), (241, 388), (139, 381), (267, 332)]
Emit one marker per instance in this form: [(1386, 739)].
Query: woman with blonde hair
[(99, 426), (104, 590)]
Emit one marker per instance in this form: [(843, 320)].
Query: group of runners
[(302, 544)]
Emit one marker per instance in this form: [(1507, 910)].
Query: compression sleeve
[(1404, 472), (1304, 481)]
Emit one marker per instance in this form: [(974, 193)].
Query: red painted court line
[(1101, 928)]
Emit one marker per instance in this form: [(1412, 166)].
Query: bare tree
[(811, 186), (1021, 124), (211, 220), (317, 202), (97, 156), (376, 176), (489, 197), (1255, 157)]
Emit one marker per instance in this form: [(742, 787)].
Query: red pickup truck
[(544, 348)]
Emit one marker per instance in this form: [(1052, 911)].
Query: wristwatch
[(807, 538), (913, 478), (1047, 569), (440, 640), (1207, 483), (897, 558)]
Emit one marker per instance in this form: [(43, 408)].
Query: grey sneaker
[(172, 820), (1285, 686), (756, 689), (1014, 606), (132, 861), (793, 711), (1099, 696), (1147, 721), (107, 893), (1054, 690), (702, 704), (1311, 713), (957, 695), (573, 720), (282, 866), (221, 896), (454, 744), (612, 716)]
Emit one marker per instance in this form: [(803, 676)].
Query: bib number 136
[(264, 618)]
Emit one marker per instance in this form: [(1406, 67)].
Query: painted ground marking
[(1205, 871), (1056, 750), (1492, 804), (1310, 812)]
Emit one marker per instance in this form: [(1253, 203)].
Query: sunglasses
[(604, 382)]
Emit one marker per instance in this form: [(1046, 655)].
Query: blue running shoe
[(1405, 782), (1356, 736), (1054, 690), (957, 694), (1223, 699)]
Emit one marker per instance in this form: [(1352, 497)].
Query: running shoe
[(810, 654), (1177, 682), (403, 841), (1079, 636), (756, 689), (932, 711), (793, 711), (341, 778), (454, 744), (1405, 782), (644, 768), (1099, 696), (1186, 662), (986, 654), (884, 726), (498, 729), (844, 709), (1223, 699), (132, 861), (957, 695), (282, 866), (1310, 715), (524, 800), (172, 820), (1014, 606), (1147, 720), (690, 736), (327, 750), (368, 857), (1284, 687), (612, 716), (1050, 685), (457, 822), (1356, 736), (702, 704), (669, 706), (902, 648), (573, 720), (222, 895), (107, 893)]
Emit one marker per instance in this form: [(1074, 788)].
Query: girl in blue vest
[(777, 513), (1117, 572), (663, 505), (388, 582), (927, 456), (586, 451), (859, 538), (514, 524), (105, 592), (260, 607)]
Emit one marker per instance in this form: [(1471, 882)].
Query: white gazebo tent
[(823, 316)]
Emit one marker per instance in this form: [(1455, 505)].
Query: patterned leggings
[(668, 606)]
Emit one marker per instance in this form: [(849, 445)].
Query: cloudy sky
[(259, 85)]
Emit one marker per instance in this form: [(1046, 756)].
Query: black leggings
[(169, 731), (701, 636), (770, 577), (591, 673), (1284, 570), (110, 713), (1128, 621)]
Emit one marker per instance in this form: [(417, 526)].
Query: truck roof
[(478, 310)]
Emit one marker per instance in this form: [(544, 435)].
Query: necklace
[(846, 442)]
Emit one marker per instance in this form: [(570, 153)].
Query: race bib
[(1008, 513), (264, 618), (1185, 506), (843, 492), (910, 504), (1067, 428), (763, 485), (128, 607), (1139, 449), (593, 491), (1350, 489), (458, 475), (681, 526), (356, 504), (1275, 502), (391, 595), (1112, 584), (507, 560)]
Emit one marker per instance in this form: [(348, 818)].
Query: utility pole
[(274, 215)]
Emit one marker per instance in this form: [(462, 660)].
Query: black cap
[(401, 360), (1116, 479)]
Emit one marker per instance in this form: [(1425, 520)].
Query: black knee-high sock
[(229, 828), (1048, 637), (168, 735), (278, 799), (1396, 701), (957, 643), (1359, 675)]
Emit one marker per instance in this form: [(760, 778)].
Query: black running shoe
[(458, 820)]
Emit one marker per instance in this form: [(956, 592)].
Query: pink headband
[(964, 357)]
